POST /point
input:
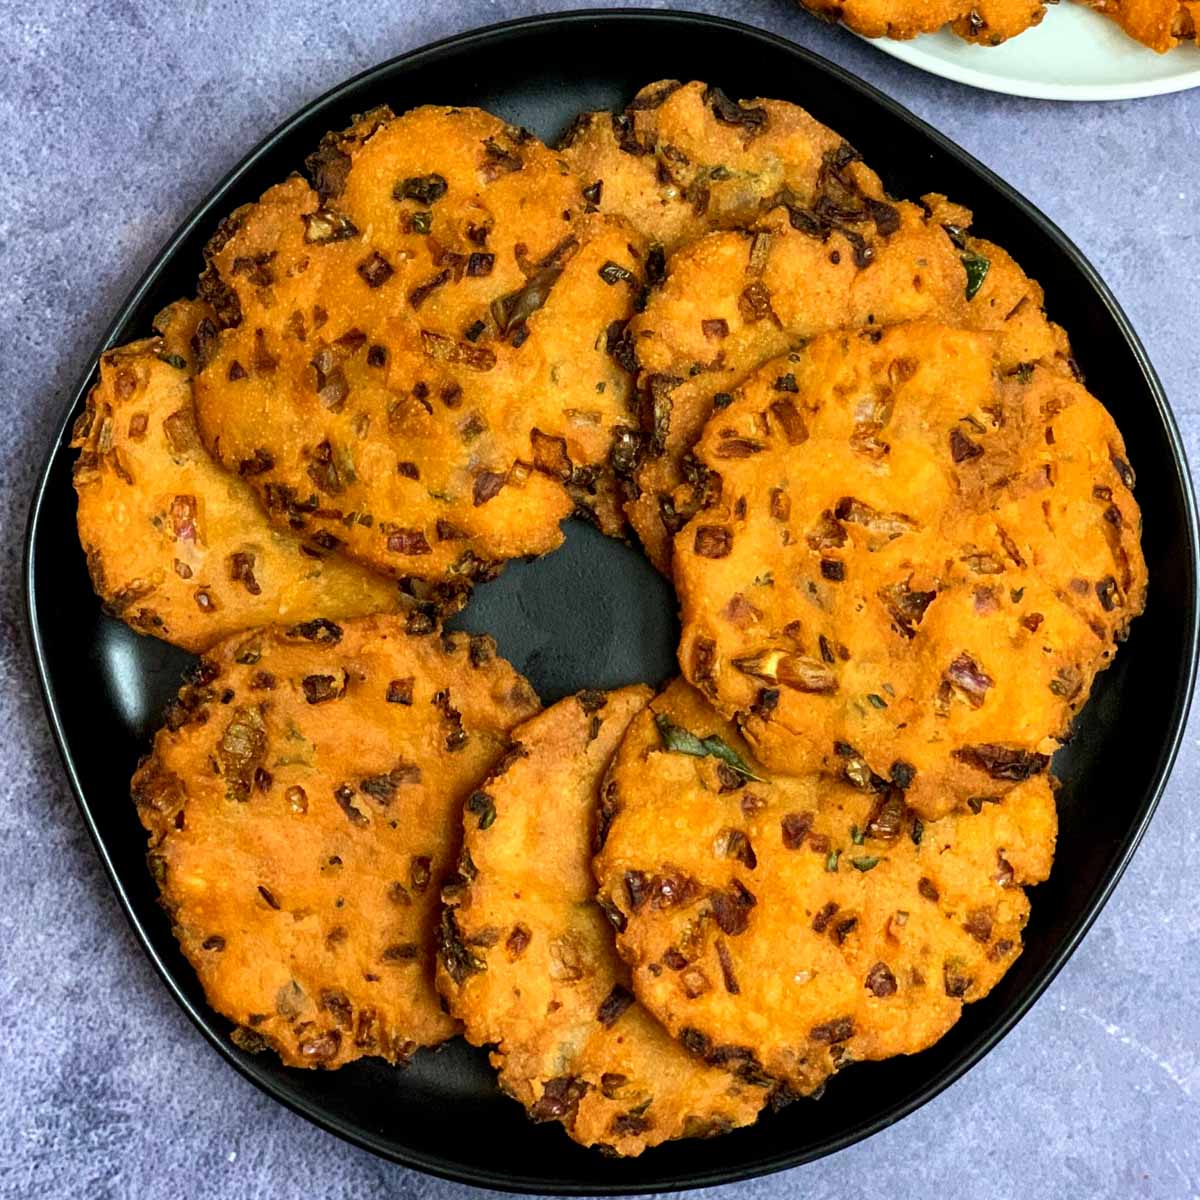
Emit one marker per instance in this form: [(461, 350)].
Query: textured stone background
[(115, 119)]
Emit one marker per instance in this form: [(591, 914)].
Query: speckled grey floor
[(115, 119)]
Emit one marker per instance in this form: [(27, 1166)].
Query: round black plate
[(595, 614)]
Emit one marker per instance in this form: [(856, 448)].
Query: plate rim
[(911, 53), (209, 209)]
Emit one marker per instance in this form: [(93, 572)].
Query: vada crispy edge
[(791, 926), (304, 805), (527, 958)]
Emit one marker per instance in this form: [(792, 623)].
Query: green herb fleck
[(977, 268), (421, 222), (877, 700), (864, 864), (728, 755), (918, 831), (831, 863), (856, 835), (174, 360), (292, 760), (682, 741), (677, 739), (303, 755)]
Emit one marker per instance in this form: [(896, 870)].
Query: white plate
[(1074, 54)]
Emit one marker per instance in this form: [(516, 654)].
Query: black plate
[(596, 614)]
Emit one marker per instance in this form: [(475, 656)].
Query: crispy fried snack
[(1160, 24), (413, 363), (176, 546), (527, 959), (794, 925), (986, 22), (303, 804), (848, 257), (910, 566), (684, 159)]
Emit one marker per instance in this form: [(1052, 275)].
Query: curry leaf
[(977, 268), (682, 741)]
